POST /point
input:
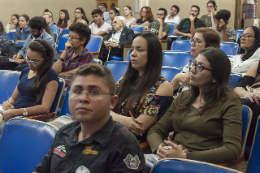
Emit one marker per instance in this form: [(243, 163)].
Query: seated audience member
[(64, 19), (14, 21), (251, 99), (112, 14), (47, 28), (49, 20), (37, 85), (130, 20), (2, 30), (204, 37), (94, 141), (103, 8), (187, 26), (204, 117), (99, 27), (36, 26), (173, 16), (249, 52), (146, 17), (80, 16), (23, 31), (209, 19), (226, 34), (142, 90), (75, 54), (116, 39), (160, 28)]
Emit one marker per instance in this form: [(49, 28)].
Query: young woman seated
[(37, 85), (146, 17), (64, 19), (23, 31), (130, 20), (14, 21), (112, 14), (80, 16), (142, 90), (206, 119)]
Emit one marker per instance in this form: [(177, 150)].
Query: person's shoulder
[(106, 24), (69, 127), (26, 70), (231, 95)]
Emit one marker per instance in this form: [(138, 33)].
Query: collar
[(102, 136), (41, 36)]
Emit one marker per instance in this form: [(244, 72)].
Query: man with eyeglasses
[(173, 16), (94, 142), (160, 28), (18, 63), (226, 34)]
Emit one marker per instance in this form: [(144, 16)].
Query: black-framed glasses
[(246, 36), (33, 63), (159, 14), (196, 41), (209, 6), (94, 94), (198, 67), (72, 37)]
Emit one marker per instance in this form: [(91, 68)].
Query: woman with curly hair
[(146, 16)]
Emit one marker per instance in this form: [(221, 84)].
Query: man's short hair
[(163, 9), (48, 13), (36, 23), (97, 11), (177, 8), (99, 71), (223, 14), (121, 19), (196, 7), (82, 30)]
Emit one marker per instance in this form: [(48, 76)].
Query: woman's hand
[(171, 150), (133, 126), (184, 78), (212, 12), (10, 113), (253, 97), (6, 105), (68, 45)]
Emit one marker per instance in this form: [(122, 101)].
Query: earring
[(214, 81)]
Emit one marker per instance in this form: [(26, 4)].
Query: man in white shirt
[(99, 27), (173, 16)]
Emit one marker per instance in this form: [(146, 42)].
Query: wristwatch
[(25, 113), (61, 59)]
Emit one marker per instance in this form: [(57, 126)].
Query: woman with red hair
[(146, 16)]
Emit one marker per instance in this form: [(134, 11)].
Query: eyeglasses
[(72, 37), (33, 63), (198, 67), (209, 6), (93, 94), (246, 36), (77, 12), (159, 14), (196, 42), (143, 11)]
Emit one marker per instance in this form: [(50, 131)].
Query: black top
[(184, 25), (140, 21), (111, 149)]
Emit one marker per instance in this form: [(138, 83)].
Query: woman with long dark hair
[(23, 31), (64, 19), (37, 85), (142, 91), (2, 29), (80, 16), (14, 21), (206, 119), (112, 14)]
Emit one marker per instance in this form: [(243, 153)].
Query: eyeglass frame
[(31, 62), (191, 62), (73, 38), (246, 36), (195, 42), (160, 14), (88, 93)]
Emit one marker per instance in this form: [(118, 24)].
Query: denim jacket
[(22, 35)]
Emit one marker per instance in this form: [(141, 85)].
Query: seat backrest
[(9, 80), (253, 165), (233, 79), (23, 144), (55, 36), (176, 59), (63, 39), (65, 107), (137, 28), (169, 72), (118, 68), (65, 31), (56, 101), (188, 166), (11, 35), (97, 61), (229, 48), (181, 45), (128, 55), (21, 43), (172, 28), (240, 31), (246, 121), (94, 43)]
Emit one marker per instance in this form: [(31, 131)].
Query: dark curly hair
[(97, 11), (177, 8), (224, 15), (214, 4), (36, 23), (83, 31)]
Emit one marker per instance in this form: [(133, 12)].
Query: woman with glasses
[(75, 54), (146, 17), (203, 37), (209, 19), (249, 52), (37, 85), (143, 94), (206, 119), (64, 19), (80, 16)]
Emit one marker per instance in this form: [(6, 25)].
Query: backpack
[(9, 50)]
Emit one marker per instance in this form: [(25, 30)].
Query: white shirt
[(115, 37), (176, 19), (95, 29)]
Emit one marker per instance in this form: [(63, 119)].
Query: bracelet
[(61, 59)]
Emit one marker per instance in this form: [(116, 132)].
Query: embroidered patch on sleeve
[(132, 162), (60, 150)]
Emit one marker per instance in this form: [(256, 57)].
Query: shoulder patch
[(132, 162), (60, 150)]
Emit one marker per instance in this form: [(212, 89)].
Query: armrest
[(95, 53), (127, 45), (41, 117), (163, 41), (239, 160), (144, 145)]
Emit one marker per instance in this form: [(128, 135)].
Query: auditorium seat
[(229, 48), (176, 58), (169, 72), (11, 35), (61, 45), (94, 45), (118, 68), (172, 28), (20, 42), (181, 45), (233, 79), (128, 55), (65, 31), (137, 28), (23, 144)]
